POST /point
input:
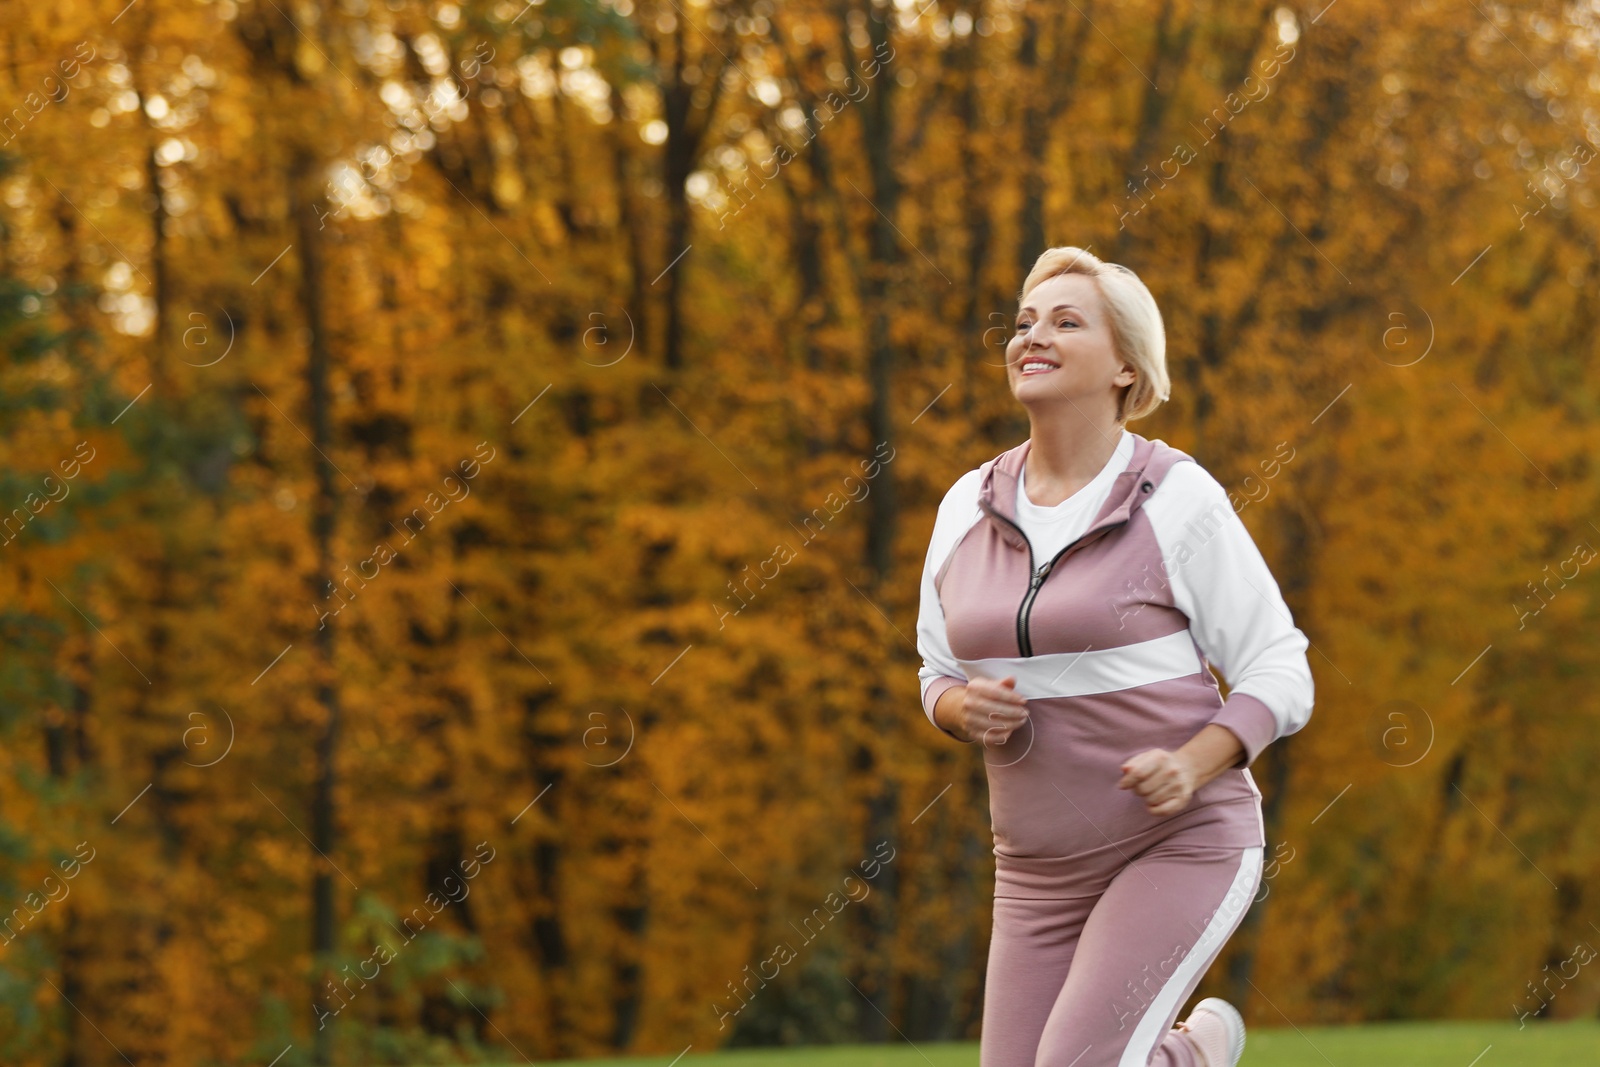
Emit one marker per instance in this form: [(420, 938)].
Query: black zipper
[(1036, 577)]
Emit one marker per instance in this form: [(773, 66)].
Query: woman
[(1076, 588)]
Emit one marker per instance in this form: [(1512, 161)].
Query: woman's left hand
[(1166, 780)]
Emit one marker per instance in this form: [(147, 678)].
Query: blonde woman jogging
[(1076, 590)]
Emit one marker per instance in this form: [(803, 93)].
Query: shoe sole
[(1235, 1031)]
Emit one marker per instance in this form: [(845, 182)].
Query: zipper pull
[(1040, 576)]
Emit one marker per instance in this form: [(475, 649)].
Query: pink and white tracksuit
[(1107, 609)]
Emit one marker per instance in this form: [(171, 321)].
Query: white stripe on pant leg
[(1152, 1027)]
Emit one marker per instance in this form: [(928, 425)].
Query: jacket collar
[(997, 494)]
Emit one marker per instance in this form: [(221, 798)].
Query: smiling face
[(1062, 349)]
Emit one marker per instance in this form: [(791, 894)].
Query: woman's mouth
[(1035, 365)]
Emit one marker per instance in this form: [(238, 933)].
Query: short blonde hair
[(1136, 328)]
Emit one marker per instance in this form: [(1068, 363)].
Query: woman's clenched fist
[(992, 710)]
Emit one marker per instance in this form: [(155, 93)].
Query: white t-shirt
[(1050, 529)]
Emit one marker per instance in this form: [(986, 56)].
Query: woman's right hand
[(992, 710)]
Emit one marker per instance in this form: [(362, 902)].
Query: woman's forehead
[(1078, 289)]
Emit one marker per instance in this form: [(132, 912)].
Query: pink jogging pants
[(1098, 980)]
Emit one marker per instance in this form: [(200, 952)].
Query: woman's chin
[(1049, 388)]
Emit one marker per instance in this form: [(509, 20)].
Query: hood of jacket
[(997, 493)]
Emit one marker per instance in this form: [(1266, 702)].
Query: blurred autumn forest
[(406, 406)]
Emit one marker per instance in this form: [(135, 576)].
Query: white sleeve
[(1237, 614), (940, 671)]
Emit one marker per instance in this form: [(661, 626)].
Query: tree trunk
[(304, 190), (879, 915), (632, 225)]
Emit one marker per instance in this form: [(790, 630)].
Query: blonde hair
[(1136, 328)]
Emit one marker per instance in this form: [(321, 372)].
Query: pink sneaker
[(1216, 1030)]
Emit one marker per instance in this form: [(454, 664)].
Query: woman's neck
[(1065, 455)]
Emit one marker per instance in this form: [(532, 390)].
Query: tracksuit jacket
[(1110, 643)]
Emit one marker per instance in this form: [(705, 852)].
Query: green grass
[(1435, 1044)]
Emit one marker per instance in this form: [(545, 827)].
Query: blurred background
[(465, 472)]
